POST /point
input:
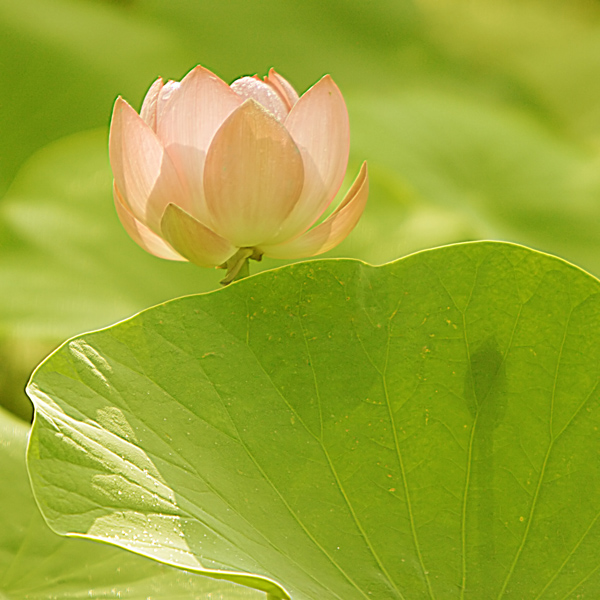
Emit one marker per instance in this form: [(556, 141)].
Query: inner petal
[(250, 87), (253, 176)]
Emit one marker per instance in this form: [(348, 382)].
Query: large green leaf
[(424, 429), (37, 564)]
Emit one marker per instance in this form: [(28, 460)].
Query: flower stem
[(238, 265)]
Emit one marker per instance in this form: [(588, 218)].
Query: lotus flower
[(217, 174)]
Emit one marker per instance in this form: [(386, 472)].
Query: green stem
[(238, 265)]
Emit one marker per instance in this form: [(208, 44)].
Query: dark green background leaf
[(425, 429)]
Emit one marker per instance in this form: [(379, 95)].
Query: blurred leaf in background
[(478, 119)]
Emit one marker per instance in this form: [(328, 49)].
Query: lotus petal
[(194, 240), (163, 98), (144, 173), (251, 87), (187, 123), (252, 177), (319, 125), (283, 87), (148, 112), (333, 230), (140, 234)]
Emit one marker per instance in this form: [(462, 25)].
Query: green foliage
[(425, 429), (37, 564), (479, 120), (66, 263)]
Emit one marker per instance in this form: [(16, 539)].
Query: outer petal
[(140, 234), (148, 112), (318, 123), (188, 122), (283, 87), (333, 230), (193, 240), (144, 173), (250, 87), (163, 99), (252, 177)]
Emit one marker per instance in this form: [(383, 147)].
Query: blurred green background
[(479, 119)]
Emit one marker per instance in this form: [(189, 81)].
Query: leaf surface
[(37, 564), (424, 429)]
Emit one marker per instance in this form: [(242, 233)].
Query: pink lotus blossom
[(216, 174)]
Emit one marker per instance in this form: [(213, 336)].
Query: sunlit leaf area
[(412, 415)]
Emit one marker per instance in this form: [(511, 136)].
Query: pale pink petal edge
[(149, 105), (319, 125), (283, 87), (333, 230), (200, 95), (140, 234), (263, 93), (192, 239), (143, 171)]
